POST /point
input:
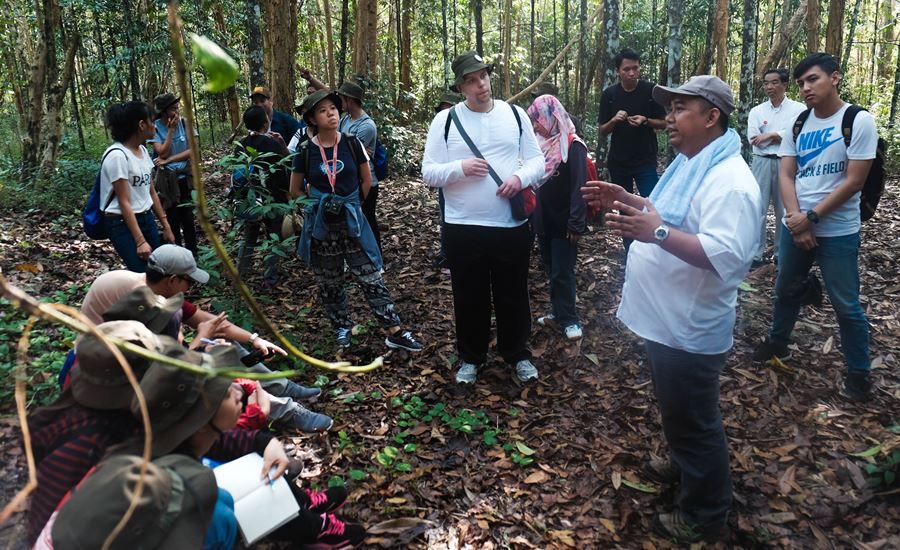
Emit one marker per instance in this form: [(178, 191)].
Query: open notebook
[(260, 508)]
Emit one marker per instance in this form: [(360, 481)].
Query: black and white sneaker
[(403, 339)]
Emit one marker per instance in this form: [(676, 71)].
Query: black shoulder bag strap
[(112, 189), (472, 147)]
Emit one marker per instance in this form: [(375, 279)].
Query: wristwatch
[(812, 216), (661, 233)]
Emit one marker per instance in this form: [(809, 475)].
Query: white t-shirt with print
[(123, 164), (667, 300), (822, 166)]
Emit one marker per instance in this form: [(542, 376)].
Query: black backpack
[(873, 188)]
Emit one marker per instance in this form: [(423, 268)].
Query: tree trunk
[(854, 17), (531, 45), (885, 14), (281, 30), (56, 96), (42, 63), (130, 31), (329, 42), (583, 43), (507, 48), (812, 26), (721, 38), (748, 45), (342, 55), (445, 44), (255, 53), (834, 33), (611, 34), (895, 97), (675, 42), (478, 6), (709, 47), (405, 102), (565, 86), (231, 98), (365, 55), (783, 41)]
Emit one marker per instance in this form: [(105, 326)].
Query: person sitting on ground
[(559, 219), (335, 231), (211, 407), (69, 436), (174, 511), (127, 191), (173, 169), (172, 270), (269, 177)]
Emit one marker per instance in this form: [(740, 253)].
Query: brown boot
[(662, 471), (675, 528)]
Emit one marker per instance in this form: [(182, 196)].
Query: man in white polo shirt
[(694, 239), (767, 125)]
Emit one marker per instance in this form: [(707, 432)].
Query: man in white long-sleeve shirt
[(767, 124), (488, 250)]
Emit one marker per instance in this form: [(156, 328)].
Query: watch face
[(661, 233)]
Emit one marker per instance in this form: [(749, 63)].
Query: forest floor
[(555, 464)]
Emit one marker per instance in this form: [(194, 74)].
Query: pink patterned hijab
[(550, 113)]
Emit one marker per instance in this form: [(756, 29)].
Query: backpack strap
[(112, 192), (847, 122), (354, 145), (515, 114), (447, 125), (798, 124)]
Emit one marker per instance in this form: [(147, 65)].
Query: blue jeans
[(123, 242), (687, 392), (644, 176), (838, 260), (559, 256), (222, 531)]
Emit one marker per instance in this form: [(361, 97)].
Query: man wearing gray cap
[(695, 237)]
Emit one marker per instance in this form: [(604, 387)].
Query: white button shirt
[(765, 118)]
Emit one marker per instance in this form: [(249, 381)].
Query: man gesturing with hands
[(695, 236)]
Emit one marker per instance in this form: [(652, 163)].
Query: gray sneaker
[(526, 370), (343, 337), (467, 373), (307, 421)]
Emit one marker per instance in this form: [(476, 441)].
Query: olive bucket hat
[(310, 102), (351, 89), (147, 307), (173, 513), (163, 102), (466, 63), (181, 402), (98, 381), (448, 99)]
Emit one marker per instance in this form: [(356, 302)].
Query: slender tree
[(748, 45), (255, 56), (854, 17), (478, 6), (834, 33), (812, 25), (721, 38), (342, 55), (675, 42)]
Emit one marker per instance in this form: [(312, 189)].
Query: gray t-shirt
[(365, 131)]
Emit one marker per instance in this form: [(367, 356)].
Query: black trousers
[(181, 219), (490, 265), (368, 208)]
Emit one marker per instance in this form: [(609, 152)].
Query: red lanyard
[(330, 174)]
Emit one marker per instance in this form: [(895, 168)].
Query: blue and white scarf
[(673, 194)]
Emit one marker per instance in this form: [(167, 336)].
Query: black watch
[(812, 216)]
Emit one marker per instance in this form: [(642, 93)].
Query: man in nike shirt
[(821, 179)]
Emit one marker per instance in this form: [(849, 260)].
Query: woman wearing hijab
[(559, 219)]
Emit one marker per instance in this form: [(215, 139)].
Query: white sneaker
[(573, 332), (467, 373), (545, 320), (526, 371)]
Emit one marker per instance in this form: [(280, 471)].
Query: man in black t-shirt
[(269, 177), (628, 112)]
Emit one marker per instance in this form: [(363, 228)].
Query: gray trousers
[(687, 392), (765, 170)]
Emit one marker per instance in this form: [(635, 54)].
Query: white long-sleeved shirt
[(471, 200), (766, 118)]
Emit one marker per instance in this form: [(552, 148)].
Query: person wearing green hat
[(488, 249), (173, 513), (191, 414), (69, 436), (174, 180), (336, 232)]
